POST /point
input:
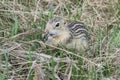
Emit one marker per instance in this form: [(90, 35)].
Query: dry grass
[(24, 56)]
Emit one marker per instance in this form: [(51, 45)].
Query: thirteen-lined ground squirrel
[(71, 35)]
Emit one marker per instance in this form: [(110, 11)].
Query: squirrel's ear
[(65, 21)]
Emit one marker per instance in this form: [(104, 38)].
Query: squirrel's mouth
[(47, 35)]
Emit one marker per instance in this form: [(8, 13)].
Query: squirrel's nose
[(51, 34)]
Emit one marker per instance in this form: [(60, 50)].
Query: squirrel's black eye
[(57, 25)]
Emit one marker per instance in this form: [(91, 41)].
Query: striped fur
[(78, 30)]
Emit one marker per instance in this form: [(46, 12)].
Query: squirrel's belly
[(78, 44)]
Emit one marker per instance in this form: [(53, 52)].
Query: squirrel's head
[(56, 30)]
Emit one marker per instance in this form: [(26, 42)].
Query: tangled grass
[(25, 56)]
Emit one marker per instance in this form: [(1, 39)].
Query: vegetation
[(25, 56)]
